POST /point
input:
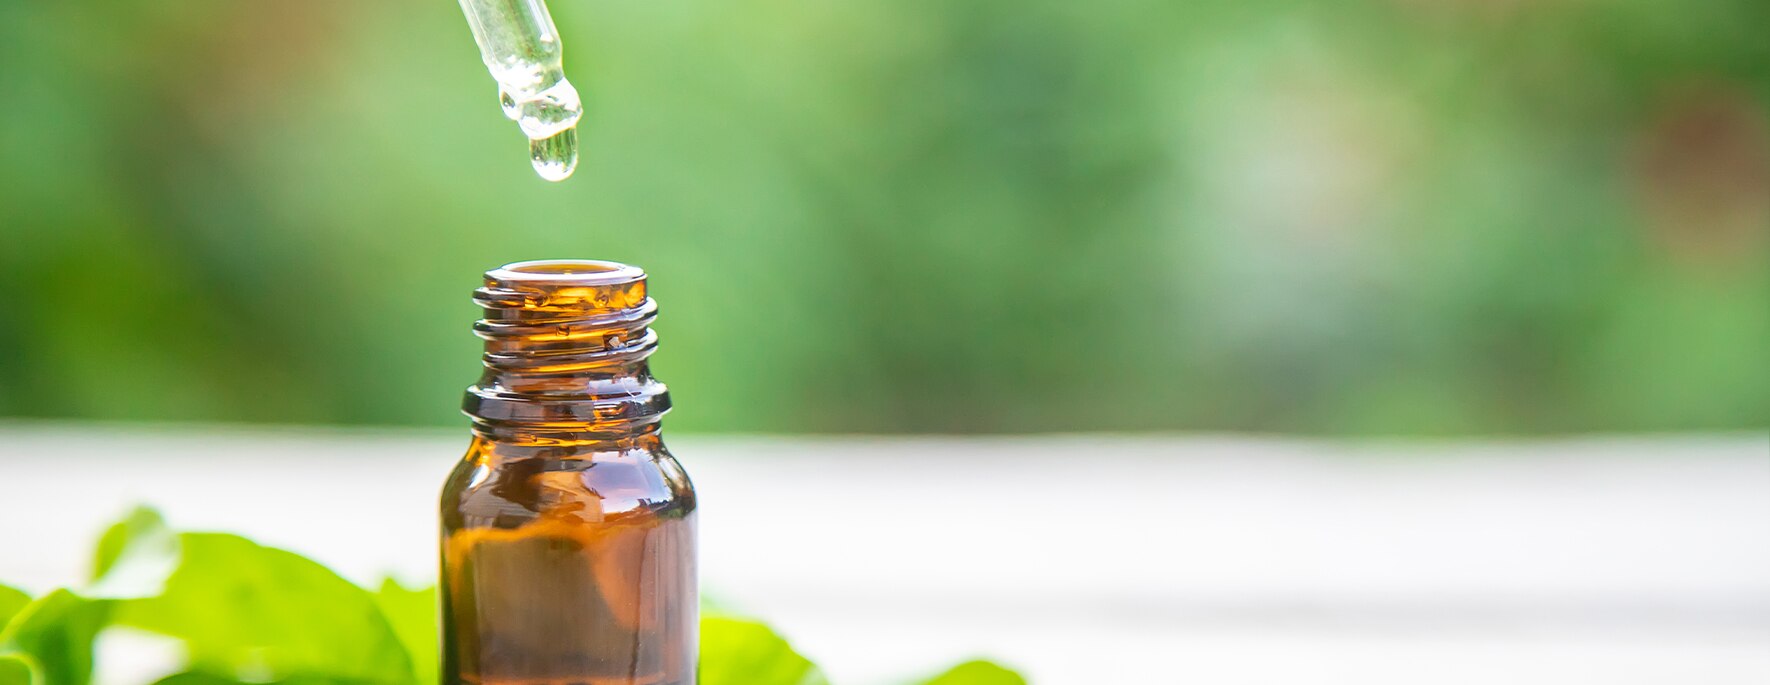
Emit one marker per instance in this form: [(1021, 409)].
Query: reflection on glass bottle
[(568, 530)]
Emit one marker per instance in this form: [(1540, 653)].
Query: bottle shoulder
[(600, 489)]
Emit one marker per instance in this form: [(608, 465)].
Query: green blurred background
[(1404, 217)]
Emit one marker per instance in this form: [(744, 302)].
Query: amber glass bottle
[(568, 531)]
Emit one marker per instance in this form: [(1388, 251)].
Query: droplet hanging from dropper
[(555, 158), (520, 47)]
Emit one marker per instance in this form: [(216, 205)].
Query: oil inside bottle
[(570, 572)]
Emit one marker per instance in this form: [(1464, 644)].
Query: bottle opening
[(564, 272), (568, 288)]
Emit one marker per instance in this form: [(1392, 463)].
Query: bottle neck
[(496, 445), (567, 345)]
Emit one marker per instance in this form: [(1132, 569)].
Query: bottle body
[(568, 530), (568, 565)]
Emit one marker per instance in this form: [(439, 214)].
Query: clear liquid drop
[(555, 158), (520, 47)]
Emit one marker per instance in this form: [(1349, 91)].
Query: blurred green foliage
[(1401, 216), (244, 613)]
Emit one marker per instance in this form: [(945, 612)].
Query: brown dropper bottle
[(568, 530)]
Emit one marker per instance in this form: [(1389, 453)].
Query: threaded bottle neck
[(566, 348)]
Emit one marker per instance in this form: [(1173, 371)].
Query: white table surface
[(1083, 560)]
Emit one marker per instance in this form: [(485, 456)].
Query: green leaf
[(741, 652), (134, 557), (977, 673), (15, 669), (18, 669), (56, 632), (11, 601), (412, 613), (49, 641), (261, 614), (206, 678), (196, 678)]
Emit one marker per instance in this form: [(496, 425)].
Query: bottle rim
[(566, 271)]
